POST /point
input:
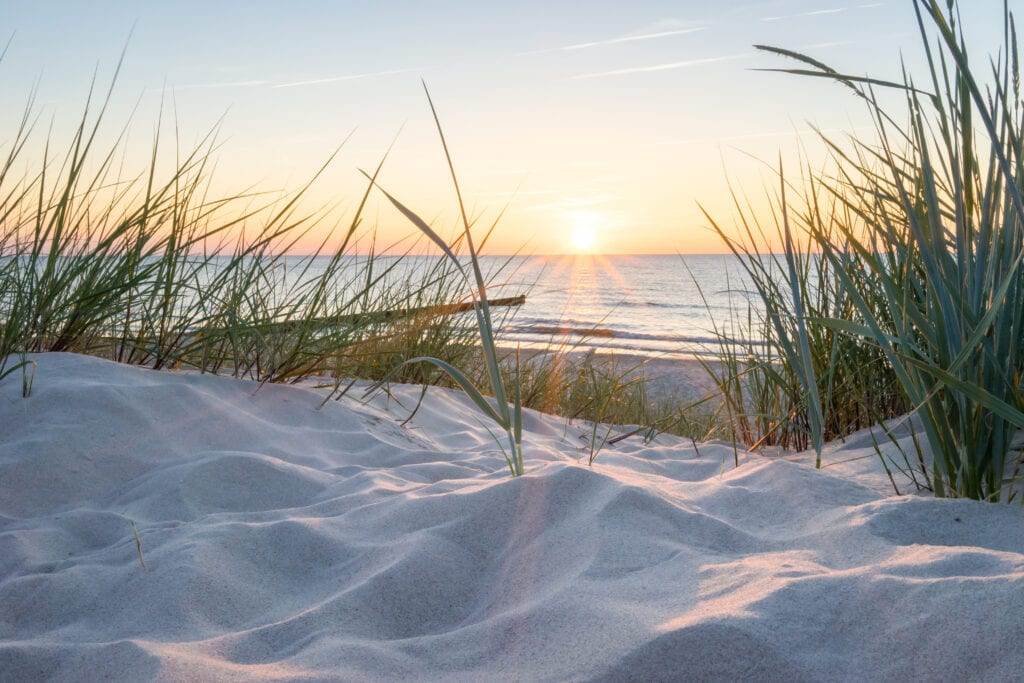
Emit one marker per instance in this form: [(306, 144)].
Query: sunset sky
[(611, 119)]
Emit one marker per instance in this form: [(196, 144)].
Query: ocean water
[(650, 305)]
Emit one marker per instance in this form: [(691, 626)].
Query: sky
[(597, 126)]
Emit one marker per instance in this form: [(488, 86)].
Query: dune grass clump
[(153, 269), (915, 281), (786, 377)]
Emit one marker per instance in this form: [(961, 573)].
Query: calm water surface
[(651, 305), (642, 304)]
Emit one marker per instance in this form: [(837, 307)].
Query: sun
[(585, 228)]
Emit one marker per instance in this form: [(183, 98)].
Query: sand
[(283, 542), (673, 378)]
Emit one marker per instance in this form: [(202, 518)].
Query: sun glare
[(585, 228)]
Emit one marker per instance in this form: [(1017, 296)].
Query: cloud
[(621, 39), (823, 12), (349, 77), (828, 44), (812, 13), (287, 84), (575, 202), (522, 193), (206, 86), (669, 24), (758, 136), (661, 67)]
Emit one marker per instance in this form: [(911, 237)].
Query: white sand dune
[(283, 542)]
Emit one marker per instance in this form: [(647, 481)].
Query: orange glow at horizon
[(616, 132)]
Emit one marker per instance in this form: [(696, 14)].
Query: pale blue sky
[(620, 114)]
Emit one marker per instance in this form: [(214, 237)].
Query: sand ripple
[(284, 542)]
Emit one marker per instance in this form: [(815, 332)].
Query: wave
[(596, 332)]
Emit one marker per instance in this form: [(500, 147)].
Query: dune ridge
[(286, 542)]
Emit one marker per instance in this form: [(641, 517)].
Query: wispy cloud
[(756, 136), (208, 86), (812, 13), (348, 77), (823, 12), (575, 202), (828, 44), (661, 67), (279, 84), (614, 41), (522, 193)]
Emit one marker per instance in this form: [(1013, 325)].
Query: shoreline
[(666, 377)]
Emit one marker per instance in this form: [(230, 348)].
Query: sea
[(653, 305)]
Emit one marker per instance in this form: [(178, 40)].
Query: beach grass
[(906, 294), (504, 412), (886, 287), (152, 269)]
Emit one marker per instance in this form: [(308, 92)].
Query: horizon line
[(547, 255)]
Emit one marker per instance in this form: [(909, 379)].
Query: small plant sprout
[(28, 376), (138, 544)]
